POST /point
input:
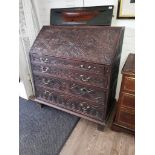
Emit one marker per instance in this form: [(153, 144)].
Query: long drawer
[(127, 100), (70, 64), (68, 102), (95, 94), (129, 84), (90, 79)]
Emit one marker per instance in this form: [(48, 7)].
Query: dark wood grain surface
[(97, 44)]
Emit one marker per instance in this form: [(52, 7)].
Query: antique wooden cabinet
[(125, 115), (75, 69)]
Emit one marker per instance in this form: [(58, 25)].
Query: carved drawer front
[(51, 82), (91, 79), (129, 84), (80, 65), (96, 94), (126, 119), (70, 103), (95, 80), (127, 100)]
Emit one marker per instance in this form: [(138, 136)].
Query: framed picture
[(126, 9)]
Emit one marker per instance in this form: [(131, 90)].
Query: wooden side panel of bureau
[(75, 69), (125, 115)]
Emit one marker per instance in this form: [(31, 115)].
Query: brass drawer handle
[(44, 60), (85, 90), (84, 108), (82, 66), (84, 78), (82, 104), (87, 107), (97, 98), (45, 81), (89, 67), (46, 92), (44, 69), (82, 90)]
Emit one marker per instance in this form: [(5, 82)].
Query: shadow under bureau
[(75, 69)]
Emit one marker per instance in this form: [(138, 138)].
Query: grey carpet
[(43, 131)]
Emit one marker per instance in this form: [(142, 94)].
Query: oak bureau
[(75, 69)]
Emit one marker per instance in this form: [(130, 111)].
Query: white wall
[(43, 8), (43, 11), (128, 42)]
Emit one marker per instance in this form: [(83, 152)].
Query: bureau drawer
[(92, 93), (128, 83), (126, 118), (63, 73), (127, 100), (68, 102), (79, 65), (97, 95)]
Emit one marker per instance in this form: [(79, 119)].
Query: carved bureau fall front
[(75, 69)]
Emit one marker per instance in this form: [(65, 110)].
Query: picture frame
[(126, 9)]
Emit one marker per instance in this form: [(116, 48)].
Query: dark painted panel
[(99, 15)]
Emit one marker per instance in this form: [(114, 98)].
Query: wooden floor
[(87, 140)]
